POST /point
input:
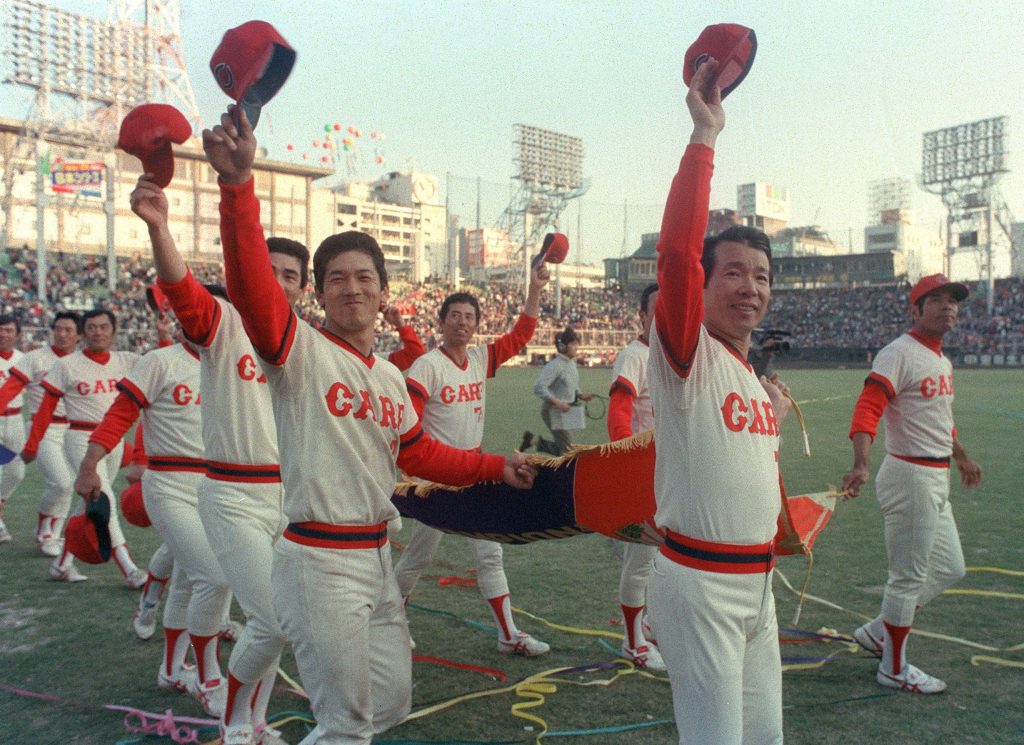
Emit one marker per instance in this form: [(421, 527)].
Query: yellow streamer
[(569, 629), (997, 570), (986, 594), (977, 659)]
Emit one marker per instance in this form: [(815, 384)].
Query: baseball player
[(630, 412), (163, 386), (448, 389), (911, 387), (344, 422), (87, 382), (558, 387), (716, 475), (28, 375), (412, 347), (12, 431), (240, 497)]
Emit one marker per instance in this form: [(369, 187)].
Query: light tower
[(85, 75), (963, 165), (549, 173)]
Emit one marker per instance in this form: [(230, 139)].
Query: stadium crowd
[(864, 317)]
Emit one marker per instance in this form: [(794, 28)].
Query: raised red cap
[(251, 64), (147, 133), (553, 251), (734, 47)]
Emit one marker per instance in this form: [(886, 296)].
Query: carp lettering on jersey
[(183, 395), (249, 370), (342, 401), (757, 417), (100, 386), (943, 387), (471, 392)]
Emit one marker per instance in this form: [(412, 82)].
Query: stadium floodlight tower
[(963, 165), (85, 75), (549, 173)]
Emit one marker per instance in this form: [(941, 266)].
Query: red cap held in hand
[(553, 251), (251, 64), (147, 133), (133, 507), (734, 47)]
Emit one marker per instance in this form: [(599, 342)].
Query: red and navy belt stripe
[(176, 463), (924, 460), (244, 474), (83, 426), (59, 420), (11, 412), (726, 558), (324, 535)]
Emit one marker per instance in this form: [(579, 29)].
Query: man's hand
[(231, 150), (854, 479), (561, 406), (394, 317), (704, 100), (149, 202), (134, 473), (778, 393), (519, 472), (970, 472), (584, 396), (87, 484), (539, 276)]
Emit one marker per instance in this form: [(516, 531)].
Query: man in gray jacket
[(558, 387)]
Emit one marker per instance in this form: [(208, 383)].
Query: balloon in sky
[(291, 146), (337, 127), (327, 128)]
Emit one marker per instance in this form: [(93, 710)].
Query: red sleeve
[(14, 385), (680, 307), (195, 308), (268, 318), (869, 407), (119, 418), (620, 413), (41, 421), (506, 347), (412, 348), (139, 457), (421, 455)]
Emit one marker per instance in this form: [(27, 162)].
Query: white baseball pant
[(55, 470), (12, 435), (637, 559), (423, 544)]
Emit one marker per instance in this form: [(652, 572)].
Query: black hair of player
[(96, 313), (219, 290), (339, 243), (67, 315), (564, 338), (8, 318), (288, 247), (744, 234), (646, 295), (459, 297)]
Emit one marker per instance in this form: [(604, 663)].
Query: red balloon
[(324, 159), (291, 147), (337, 127)]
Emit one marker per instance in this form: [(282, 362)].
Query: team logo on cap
[(224, 76)]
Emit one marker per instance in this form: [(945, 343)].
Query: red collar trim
[(58, 352), (463, 366), (367, 360), (101, 358), (732, 350), (7, 355), (191, 351), (643, 340), (929, 341)]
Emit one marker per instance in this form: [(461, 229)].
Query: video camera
[(773, 340)]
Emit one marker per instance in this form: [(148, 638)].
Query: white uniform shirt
[(6, 363), (630, 371), (88, 387), (919, 384), (343, 417), (453, 412), (165, 385), (717, 436), (33, 367)]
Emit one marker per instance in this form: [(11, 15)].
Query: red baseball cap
[(156, 299), (933, 282), (147, 133), (734, 47), (81, 540), (251, 64), (553, 251), (133, 507)]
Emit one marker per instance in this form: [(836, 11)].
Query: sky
[(839, 95)]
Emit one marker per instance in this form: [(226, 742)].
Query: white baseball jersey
[(87, 381), (9, 360), (715, 478), (630, 371), (238, 423), (454, 396), (164, 384), (918, 381), (327, 392), (31, 369)]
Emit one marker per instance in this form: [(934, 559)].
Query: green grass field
[(73, 642)]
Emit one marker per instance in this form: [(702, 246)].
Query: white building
[(763, 206), (922, 247)]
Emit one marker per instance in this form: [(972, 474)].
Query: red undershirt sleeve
[(194, 307), (421, 455), (119, 418), (507, 346), (620, 413), (680, 307), (11, 388), (40, 422), (868, 409), (412, 349), (139, 457), (268, 318)]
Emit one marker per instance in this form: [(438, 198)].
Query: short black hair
[(744, 234), (7, 318), (96, 313), (646, 295), (288, 247), (67, 315), (339, 243), (459, 297), (217, 291)]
